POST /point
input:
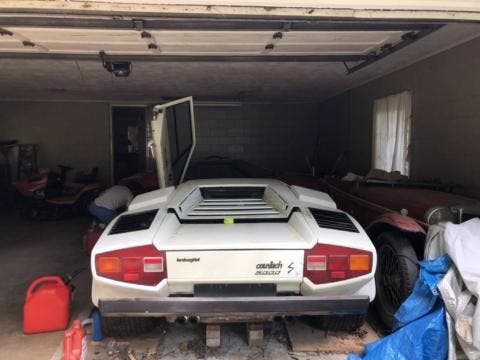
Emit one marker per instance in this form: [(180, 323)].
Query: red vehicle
[(48, 196), (396, 216), (210, 168), (147, 181)]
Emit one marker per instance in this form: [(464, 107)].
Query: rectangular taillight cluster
[(330, 263), (143, 265)]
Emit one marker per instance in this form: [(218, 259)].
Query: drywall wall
[(74, 134), (277, 136), (445, 118), (78, 133)]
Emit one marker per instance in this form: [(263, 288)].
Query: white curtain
[(391, 132)]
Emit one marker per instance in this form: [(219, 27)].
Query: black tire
[(29, 212), (347, 323), (396, 274), (127, 326)]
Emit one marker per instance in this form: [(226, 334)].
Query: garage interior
[(291, 94)]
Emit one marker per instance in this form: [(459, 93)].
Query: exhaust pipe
[(182, 320), (194, 319)]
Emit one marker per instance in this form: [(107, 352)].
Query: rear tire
[(395, 276), (127, 326), (348, 323), (29, 212)]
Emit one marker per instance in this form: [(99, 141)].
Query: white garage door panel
[(112, 48), (321, 49), (211, 49), (78, 41), (171, 42), (209, 37), (10, 44), (77, 35), (344, 37)]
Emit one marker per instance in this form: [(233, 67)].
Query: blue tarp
[(420, 328)]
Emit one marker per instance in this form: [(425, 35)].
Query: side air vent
[(333, 220), (133, 222)]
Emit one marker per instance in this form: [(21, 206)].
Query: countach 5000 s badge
[(271, 268)]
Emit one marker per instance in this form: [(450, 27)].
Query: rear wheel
[(127, 326), (347, 323), (29, 211), (396, 274)]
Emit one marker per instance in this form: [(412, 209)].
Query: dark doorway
[(129, 141)]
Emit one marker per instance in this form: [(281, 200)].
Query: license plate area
[(234, 290), (235, 266)]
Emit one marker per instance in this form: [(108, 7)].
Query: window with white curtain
[(391, 132)]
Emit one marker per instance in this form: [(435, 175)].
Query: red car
[(396, 215)]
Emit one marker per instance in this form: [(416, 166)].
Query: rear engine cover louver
[(134, 222), (333, 220)]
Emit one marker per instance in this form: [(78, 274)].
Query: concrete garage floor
[(187, 341), (31, 249)]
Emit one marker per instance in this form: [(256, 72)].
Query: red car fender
[(28, 186), (395, 221)]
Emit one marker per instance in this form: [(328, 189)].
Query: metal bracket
[(27, 43), (5, 32)]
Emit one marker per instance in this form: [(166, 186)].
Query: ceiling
[(254, 64)]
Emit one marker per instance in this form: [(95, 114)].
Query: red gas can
[(74, 343), (46, 306)]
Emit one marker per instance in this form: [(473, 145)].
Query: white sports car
[(227, 249)]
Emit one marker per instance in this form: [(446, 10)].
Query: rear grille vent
[(232, 207), (134, 222), (333, 220), (233, 192)]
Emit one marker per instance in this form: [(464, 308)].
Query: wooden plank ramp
[(304, 338)]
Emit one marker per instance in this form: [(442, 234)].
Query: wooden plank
[(254, 334), (213, 335), (304, 338)]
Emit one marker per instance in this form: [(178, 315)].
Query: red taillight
[(330, 263), (143, 265)]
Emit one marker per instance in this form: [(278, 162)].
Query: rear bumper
[(210, 307)]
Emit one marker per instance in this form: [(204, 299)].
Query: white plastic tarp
[(460, 288)]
